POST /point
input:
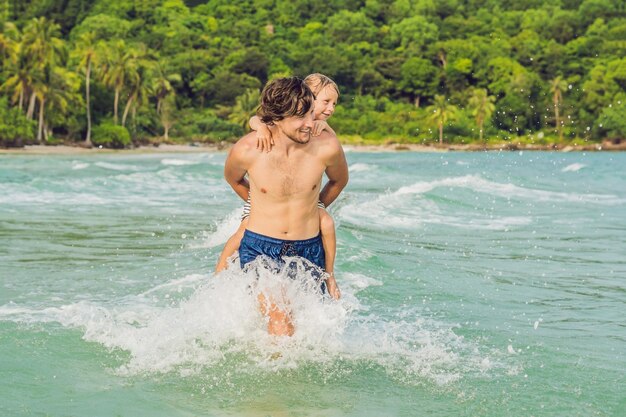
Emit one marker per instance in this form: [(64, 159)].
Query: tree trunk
[(21, 100), (166, 135), (441, 133), (31, 106), (42, 106), (159, 100), (556, 116), (480, 129), (126, 109), (442, 58), (88, 100), (417, 102), (115, 104)]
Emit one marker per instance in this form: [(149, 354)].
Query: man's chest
[(286, 177)]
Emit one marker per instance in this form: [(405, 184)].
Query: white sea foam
[(224, 229), (76, 165), (573, 167), (32, 196), (117, 166), (222, 320), (507, 190), (361, 167), (178, 162)]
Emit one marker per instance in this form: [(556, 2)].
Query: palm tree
[(139, 87), (8, 44), (441, 111), (116, 70), (482, 106), (20, 78), (42, 48), (557, 86), (87, 53), (139, 80), (245, 107), (162, 83), (62, 90), (40, 91), (167, 113)]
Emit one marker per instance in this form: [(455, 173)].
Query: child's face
[(325, 103)]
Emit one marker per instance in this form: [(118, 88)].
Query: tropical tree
[(61, 94), (557, 86), (43, 48), (245, 107), (87, 53), (20, 78), (139, 89), (139, 79), (482, 106), (8, 45), (162, 83), (419, 78), (440, 112), (116, 69), (167, 113)]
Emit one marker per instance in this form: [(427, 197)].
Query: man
[(284, 184)]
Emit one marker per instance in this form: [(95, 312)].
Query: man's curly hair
[(284, 97)]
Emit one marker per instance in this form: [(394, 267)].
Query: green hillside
[(411, 71)]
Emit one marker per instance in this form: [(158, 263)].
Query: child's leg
[(329, 240), (231, 246)]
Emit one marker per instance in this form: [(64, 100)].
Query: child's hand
[(319, 126), (264, 140), (332, 287)]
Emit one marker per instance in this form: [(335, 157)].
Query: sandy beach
[(391, 147)]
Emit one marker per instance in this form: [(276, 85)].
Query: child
[(326, 94)]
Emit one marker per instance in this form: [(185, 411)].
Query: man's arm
[(235, 169), (337, 173)]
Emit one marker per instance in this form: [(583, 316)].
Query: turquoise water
[(475, 284)]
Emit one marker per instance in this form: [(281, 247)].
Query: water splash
[(221, 320)]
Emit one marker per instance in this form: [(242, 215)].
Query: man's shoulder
[(244, 151), (328, 140), (246, 144), (329, 145)]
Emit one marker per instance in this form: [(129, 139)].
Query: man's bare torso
[(284, 189)]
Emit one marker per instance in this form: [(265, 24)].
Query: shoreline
[(606, 146)]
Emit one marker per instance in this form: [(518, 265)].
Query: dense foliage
[(409, 70)]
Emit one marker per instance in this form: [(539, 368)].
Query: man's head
[(288, 104)]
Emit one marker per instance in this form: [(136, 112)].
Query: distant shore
[(389, 147)]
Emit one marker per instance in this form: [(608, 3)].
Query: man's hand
[(264, 140)]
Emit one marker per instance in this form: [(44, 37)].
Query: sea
[(473, 284)]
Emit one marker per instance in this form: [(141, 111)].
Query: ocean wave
[(573, 167), (508, 190), (361, 167), (117, 166), (77, 165), (178, 162)]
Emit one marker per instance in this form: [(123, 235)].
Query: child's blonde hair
[(317, 82)]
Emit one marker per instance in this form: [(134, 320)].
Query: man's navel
[(263, 190)]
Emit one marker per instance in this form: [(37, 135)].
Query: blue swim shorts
[(254, 245)]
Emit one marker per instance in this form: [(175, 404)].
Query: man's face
[(297, 128)]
